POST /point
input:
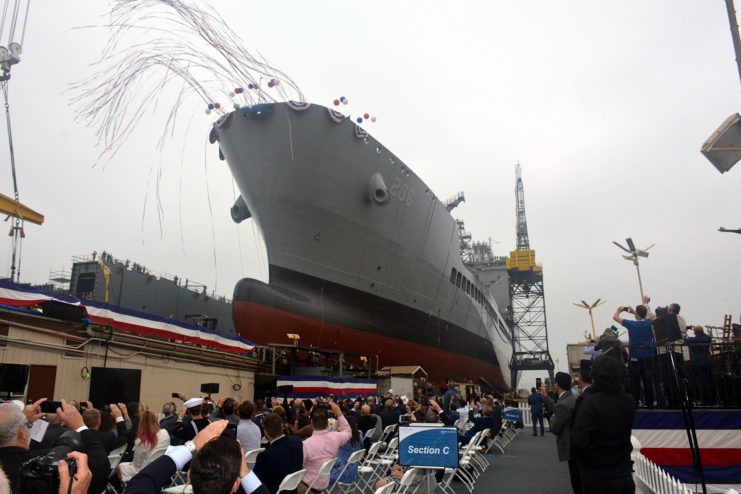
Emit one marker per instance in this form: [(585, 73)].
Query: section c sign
[(428, 446)]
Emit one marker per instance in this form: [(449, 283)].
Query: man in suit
[(535, 401), (585, 385), (485, 421), (561, 410), (217, 467), (110, 440), (600, 437), (282, 457)]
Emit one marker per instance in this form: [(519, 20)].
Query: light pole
[(589, 308), (633, 255)]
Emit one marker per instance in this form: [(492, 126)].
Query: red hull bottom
[(262, 324)]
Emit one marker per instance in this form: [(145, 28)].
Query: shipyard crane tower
[(527, 300)]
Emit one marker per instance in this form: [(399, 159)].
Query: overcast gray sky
[(605, 105)]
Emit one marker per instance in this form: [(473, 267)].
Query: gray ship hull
[(356, 242)]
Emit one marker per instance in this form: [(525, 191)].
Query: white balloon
[(208, 111), (373, 119), (231, 95), (345, 101)]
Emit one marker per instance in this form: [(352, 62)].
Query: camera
[(41, 474), (50, 406), (405, 419), (626, 308)]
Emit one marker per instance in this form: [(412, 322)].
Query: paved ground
[(531, 466)]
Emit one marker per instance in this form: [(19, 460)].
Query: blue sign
[(428, 446), (513, 414)]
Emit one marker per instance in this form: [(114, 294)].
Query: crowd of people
[(592, 417), (210, 440), (651, 367)]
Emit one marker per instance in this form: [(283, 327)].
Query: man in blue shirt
[(536, 411), (641, 343), (701, 364)]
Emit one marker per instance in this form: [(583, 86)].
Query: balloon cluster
[(345, 101), (342, 100), (212, 106)]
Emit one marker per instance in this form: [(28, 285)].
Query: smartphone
[(50, 406), (175, 395)]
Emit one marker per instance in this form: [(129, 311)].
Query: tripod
[(688, 417)]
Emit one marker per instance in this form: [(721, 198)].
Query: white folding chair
[(324, 471), (368, 467), (250, 457), (351, 460), (407, 480), (387, 432), (291, 481), (386, 489)]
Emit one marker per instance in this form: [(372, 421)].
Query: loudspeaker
[(210, 388), (666, 328), (723, 148), (62, 311), (13, 378)]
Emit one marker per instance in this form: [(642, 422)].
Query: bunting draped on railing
[(131, 321)]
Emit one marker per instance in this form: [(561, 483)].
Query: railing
[(649, 478), (710, 371)]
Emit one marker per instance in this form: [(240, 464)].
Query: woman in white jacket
[(151, 443)]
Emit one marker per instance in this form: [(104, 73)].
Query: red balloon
[(270, 83), (366, 116), (336, 102), (217, 105)]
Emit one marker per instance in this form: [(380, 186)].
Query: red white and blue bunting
[(222, 121), (315, 386), (336, 116), (298, 106), (132, 321), (360, 133)]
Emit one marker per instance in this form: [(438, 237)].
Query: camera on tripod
[(41, 474)]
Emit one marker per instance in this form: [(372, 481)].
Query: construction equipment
[(527, 310)]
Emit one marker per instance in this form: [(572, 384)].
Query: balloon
[(217, 105), (373, 119), (256, 87), (366, 116), (342, 98), (231, 95), (210, 106), (238, 90), (345, 101), (336, 102), (274, 81), (270, 83), (251, 86), (360, 119), (208, 111)]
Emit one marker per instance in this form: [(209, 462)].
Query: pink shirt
[(320, 447)]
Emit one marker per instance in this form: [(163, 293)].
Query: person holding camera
[(217, 466), (641, 343), (322, 445)]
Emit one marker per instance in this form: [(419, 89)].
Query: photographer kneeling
[(217, 466)]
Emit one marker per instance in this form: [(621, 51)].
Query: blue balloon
[(342, 98), (250, 86), (210, 106), (360, 119)]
